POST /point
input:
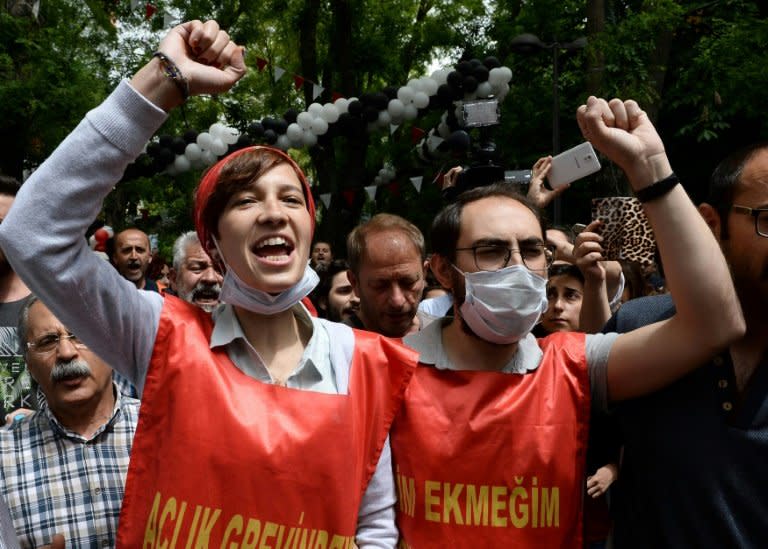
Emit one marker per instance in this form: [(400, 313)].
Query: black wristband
[(660, 188)]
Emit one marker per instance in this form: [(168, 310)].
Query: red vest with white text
[(223, 460), (489, 459)]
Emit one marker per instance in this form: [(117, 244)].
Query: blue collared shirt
[(55, 481)]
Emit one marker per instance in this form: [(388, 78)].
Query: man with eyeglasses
[(694, 470), (63, 468), (489, 446)]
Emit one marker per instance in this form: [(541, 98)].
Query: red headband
[(211, 179)]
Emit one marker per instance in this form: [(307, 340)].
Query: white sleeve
[(376, 518), (43, 234)]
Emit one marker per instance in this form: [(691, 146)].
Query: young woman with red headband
[(260, 426)]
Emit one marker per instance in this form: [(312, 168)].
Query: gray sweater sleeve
[(43, 234)]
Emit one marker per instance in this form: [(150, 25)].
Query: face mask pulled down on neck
[(236, 292), (503, 306)]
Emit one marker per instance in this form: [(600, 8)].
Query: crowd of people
[(278, 392)]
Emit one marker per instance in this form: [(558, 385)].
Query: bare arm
[(708, 315), (595, 310), (537, 192)]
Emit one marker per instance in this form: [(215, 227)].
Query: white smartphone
[(573, 164)]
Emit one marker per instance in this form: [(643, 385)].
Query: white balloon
[(182, 163), (283, 142), (484, 89), (315, 109), (330, 113), (440, 76), (304, 119), (428, 85), (294, 132), (414, 84), (395, 108), (384, 119), (405, 94), (217, 129), (218, 147), (209, 158), (506, 74), (193, 152), (319, 126), (199, 163), (310, 139), (495, 76), (420, 100), (397, 120), (503, 92), (411, 112), (205, 140), (341, 103), (229, 135)]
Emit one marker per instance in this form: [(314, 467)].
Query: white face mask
[(503, 306), (236, 292)]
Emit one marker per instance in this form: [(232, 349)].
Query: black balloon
[(470, 84), (371, 114), (153, 149), (166, 141), (464, 67), (255, 129), (280, 126), (270, 136), (381, 100), (268, 123), (190, 136), (475, 63), (491, 62), (291, 115), (455, 79), (480, 73), (355, 108), (458, 141), (244, 141), (390, 92), (178, 145), (165, 156)]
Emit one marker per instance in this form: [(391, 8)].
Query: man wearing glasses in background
[(63, 468), (489, 446), (694, 471)]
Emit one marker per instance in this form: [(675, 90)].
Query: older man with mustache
[(194, 277), (63, 468)]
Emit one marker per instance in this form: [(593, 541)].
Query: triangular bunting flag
[(168, 20), (279, 73), (416, 134), (150, 11), (317, 90), (335, 96), (261, 63), (393, 128), (325, 198), (394, 188), (371, 192), (417, 183), (298, 81), (349, 196)]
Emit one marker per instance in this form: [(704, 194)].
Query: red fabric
[(211, 179), (310, 306), (487, 459), (220, 458)]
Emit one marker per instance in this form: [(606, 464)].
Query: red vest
[(222, 460), (488, 459)]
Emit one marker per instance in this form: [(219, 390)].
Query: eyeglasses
[(50, 343), (760, 215), (492, 257)]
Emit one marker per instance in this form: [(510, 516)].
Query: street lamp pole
[(530, 43)]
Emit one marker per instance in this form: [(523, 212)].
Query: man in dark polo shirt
[(694, 471)]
